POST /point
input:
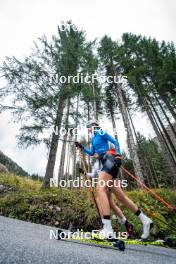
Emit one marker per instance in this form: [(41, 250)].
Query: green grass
[(19, 183), (27, 201)]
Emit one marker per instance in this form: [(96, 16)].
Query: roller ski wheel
[(120, 245)]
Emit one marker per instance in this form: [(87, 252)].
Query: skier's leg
[(102, 192), (103, 201), (124, 199), (120, 216), (114, 207)]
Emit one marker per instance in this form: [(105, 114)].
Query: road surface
[(23, 242)]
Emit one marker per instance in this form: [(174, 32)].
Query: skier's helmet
[(92, 123)]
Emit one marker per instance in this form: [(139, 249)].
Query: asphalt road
[(23, 242)]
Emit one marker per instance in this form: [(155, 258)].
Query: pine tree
[(37, 97), (142, 60), (107, 52)]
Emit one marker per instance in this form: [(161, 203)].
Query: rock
[(56, 223), (3, 169), (57, 209), (2, 188), (5, 188)]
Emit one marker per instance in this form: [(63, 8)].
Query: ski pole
[(90, 186), (159, 198)]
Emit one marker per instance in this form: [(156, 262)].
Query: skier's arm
[(90, 151), (113, 141)]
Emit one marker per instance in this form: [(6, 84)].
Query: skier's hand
[(81, 155), (78, 145), (118, 156), (118, 159), (81, 170), (95, 156)]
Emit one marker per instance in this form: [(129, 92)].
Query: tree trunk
[(68, 159), (116, 137), (165, 151), (172, 147), (147, 163), (114, 125), (54, 144), (75, 139), (162, 142), (62, 160), (130, 139), (170, 107), (164, 112), (95, 103), (88, 136)]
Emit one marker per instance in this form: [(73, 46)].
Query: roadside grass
[(25, 200)]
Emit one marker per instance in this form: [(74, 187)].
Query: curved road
[(23, 242)]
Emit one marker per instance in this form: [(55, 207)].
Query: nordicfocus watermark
[(77, 131), (80, 182), (79, 234), (96, 234), (80, 78)]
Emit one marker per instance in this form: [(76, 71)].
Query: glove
[(118, 156), (81, 170), (78, 145), (118, 159)]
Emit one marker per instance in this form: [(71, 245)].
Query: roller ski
[(109, 243)]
